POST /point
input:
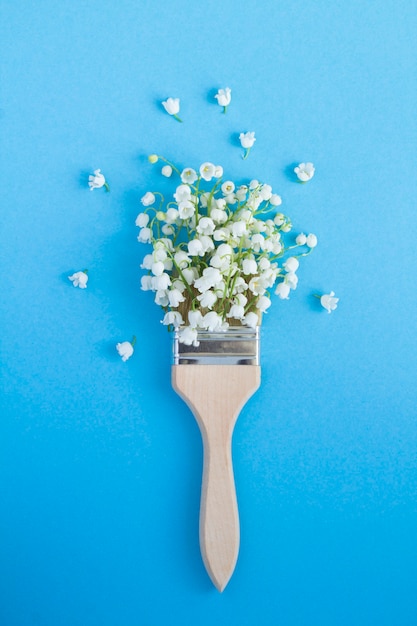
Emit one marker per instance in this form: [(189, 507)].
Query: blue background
[(101, 461)]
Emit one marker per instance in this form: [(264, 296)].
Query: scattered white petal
[(304, 171), (172, 107), (329, 302), (97, 180), (125, 350), (79, 279)]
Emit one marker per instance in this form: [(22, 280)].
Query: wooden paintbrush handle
[(216, 395)]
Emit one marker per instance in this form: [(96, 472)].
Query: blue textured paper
[(101, 461)]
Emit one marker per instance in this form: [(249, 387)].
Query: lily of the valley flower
[(142, 220), (126, 349), (189, 176), (329, 302), (173, 318), (79, 279), (172, 107), (166, 171), (207, 171), (97, 180), (246, 141), (304, 171), (282, 291), (224, 97), (148, 199), (311, 240)]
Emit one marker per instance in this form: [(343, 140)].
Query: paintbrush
[(216, 379), (215, 257)]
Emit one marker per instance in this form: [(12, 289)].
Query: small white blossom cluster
[(216, 253)]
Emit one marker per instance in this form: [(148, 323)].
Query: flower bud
[(153, 158)]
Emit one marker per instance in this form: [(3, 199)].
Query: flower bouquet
[(218, 251)]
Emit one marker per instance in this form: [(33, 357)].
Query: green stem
[(177, 118), (245, 156), (106, 186), (133, 341)]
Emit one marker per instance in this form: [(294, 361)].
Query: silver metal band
[(237, 345)]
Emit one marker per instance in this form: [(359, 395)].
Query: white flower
[(239, 228), (218, 171), (207, 243), (264, 264), (172, 107), (246, 141), (263, 304), (159, 283), (304, 171), (211, 276), (221, 234), (292, 280), (282, 291), (125, 349), (207, 171), (224, 97), (174, 318), (161, 297), (182, 192), (147, 262), (171, 215), (144, 235), (207, 299), (240, 286), (301, 239), (166, 171), (205, 226), (249, 266), (311, 241), (157, 268), (189, 176), (97, 180), (241, 193), (194, 319), (167, 229), (279, 219), (212, 321), (266, 192), (237, 311), (142, 220), (275, 199), (257, 242), (195, 248), (175, 297), (79, 279), (188, 336), (148, 199), (190, 274), (186, 209), (251, 320), (146, 283), (218, 216), (228, 187), (257, 286), (329, 302), (181, 259), (291, 264)]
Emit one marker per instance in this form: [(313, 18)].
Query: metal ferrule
[(237, 345)]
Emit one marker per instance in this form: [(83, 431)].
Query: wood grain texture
[(216, 395)]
